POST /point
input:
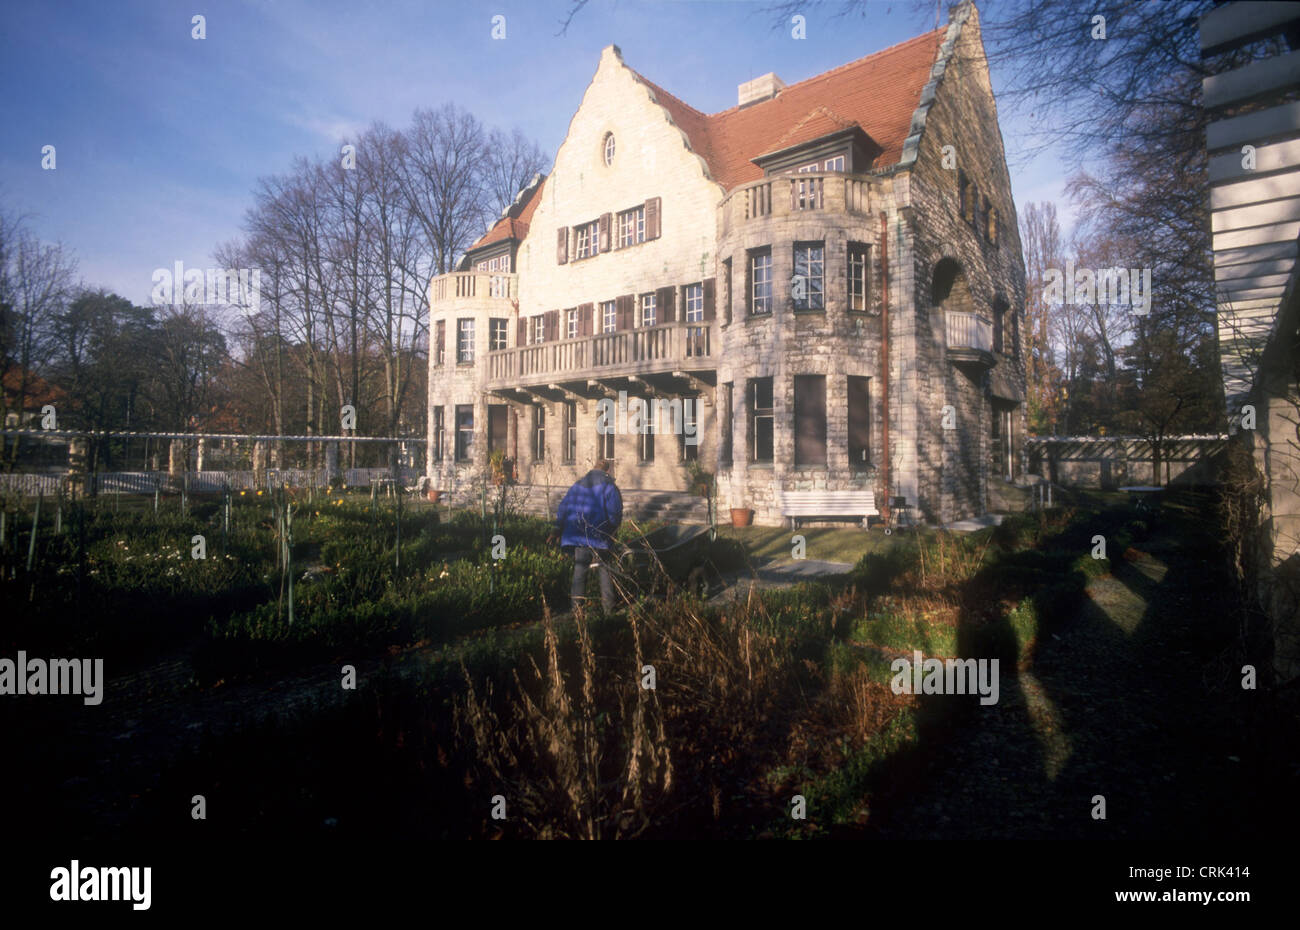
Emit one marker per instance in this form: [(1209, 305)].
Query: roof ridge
[(929, 34)]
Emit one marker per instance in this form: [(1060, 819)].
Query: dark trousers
[(584, 558)]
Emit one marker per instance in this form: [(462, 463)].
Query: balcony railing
[(779, 195), (636, 351), (969, 336), (464, 286)]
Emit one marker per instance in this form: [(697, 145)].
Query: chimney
[(759, 89)]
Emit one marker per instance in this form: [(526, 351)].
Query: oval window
[(609, 148)]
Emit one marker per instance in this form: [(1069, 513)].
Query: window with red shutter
[(626, 309), (666, 299), (604, 232), (652, 218)]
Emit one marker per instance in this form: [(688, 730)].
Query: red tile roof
[(513, 227), (879, 93)]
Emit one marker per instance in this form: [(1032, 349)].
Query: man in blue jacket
[(588, 517)]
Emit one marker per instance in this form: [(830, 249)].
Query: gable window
[(835, 164), (859, 277), (648, 310), (760, 277), (464, 431), (807, 287), (760, 420), (608, 316), (570, 431), (810, 419), (609, 148), (694, 303), (465, 342), (496, 263), (584, 239), (631, 227), (496, 334), (571, 323)]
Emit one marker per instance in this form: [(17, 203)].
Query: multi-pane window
[(690, 451), (570, 431), (859, 422), (694, 303), (605, 443), (807, 287), (760, 281), (585, 240), (648, 310), (496, 334), (437, 434), (464, 431), (608, 316), (726, 297), (440, 338), (810, 419), (539, 329), (835, 164), (859, 277), (571, 323), (465, 341), (645, 440), (724, 447), (496, 263), (539, 434), (761, 420), (631, 227), (609, 148), (999, 339)]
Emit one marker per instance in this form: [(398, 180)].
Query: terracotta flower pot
[(434, 496), (741, 516)]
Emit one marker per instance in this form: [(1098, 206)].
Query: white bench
[(797, 504)]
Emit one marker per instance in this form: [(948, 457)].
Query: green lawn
[(832, 545)]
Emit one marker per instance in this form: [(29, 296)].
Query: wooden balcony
[(969, 339), (828, 192), (466, 290), (654, 350)]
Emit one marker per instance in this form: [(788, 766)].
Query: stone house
[(826, 281)]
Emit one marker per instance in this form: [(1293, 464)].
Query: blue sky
[(160, 138)]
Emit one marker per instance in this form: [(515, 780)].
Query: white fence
[(204, 482)]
